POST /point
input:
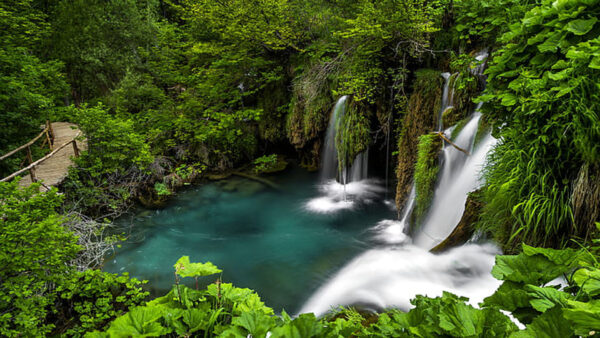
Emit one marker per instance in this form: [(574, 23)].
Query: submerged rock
[(465, 228)]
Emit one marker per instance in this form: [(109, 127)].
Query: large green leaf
[(588, 281), (535, 270), (551, 324), (584, 317), (139, 322), (306, 325), (255, 323), (581, 26), (184, 268), (595, 63), (563, 256), (546, 298)]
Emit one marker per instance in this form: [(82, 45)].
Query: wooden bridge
[(50, 170)]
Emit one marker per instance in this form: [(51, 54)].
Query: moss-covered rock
[(308, 115), (421, 118), (274, 104), (353, 134), (426, 171), (483, 129), (463, 88), (466, 226)]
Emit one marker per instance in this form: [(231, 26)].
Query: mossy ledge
[(423, 107), (426, 171)]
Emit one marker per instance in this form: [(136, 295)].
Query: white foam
[(392, 276)]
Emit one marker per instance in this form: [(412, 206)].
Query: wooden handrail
[(25, 145), (13, 175)]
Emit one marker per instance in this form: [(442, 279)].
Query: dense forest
[(170, 94)]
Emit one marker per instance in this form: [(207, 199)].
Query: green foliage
[(113, 144), (543, 97), (89, 300), (481, 23), (40, 292), (549, 310), (426, 170), (353, 134), (184, 268), (97, 41), (115, 154), (29, 87), (161, 189), (33, 252), (265, 163)]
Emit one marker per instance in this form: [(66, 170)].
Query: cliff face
[(421, 118)]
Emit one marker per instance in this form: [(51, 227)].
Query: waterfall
[(329, 158), (446, 100), (358, 171), (397, 269), (391, 276), (459, 176)]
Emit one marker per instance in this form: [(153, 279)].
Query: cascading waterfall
[(330, 167), (353, 186), (329, 156), (396, 270), (446, 100), (459, 176)]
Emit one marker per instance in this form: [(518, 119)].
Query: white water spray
[(391, 276)]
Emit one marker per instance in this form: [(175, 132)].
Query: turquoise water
[(263, 239)]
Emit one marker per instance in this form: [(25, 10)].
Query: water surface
[(275, 242)]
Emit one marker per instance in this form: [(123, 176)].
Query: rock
[(465, 227)]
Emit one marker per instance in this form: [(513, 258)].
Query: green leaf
[(195, 319), (581, 26), (550, 324), (255, 323), (547, 297), (584, 317), (509, 99), (588, 281), (306, 325), (595, 63), (565, 257), (140, 322), (184, 268), (560, 75), (535, 270)]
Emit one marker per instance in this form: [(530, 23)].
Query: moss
[(426, 171), (274, 103), (482, 130), (463, 88), (354, 137), (308, 114), (421, 118)]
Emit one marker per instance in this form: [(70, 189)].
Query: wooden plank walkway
[(53, 170)]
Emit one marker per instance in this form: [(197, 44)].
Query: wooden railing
[(47, 140)]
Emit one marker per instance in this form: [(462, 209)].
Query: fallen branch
[(258, 179), (441, 134)]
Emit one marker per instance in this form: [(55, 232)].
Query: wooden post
[(52, 136), (75, 149), (30, 159), (48, 139)]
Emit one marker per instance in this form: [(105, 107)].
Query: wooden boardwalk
[(53, 168)]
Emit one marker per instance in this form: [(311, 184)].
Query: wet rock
[(465, 227)]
